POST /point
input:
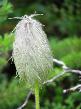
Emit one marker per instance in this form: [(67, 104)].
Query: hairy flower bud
[(31, 52)]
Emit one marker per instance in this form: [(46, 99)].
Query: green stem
[(37, 95)]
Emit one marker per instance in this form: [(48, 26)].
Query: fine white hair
[(31, 52)]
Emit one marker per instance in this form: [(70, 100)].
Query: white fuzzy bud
[(31, 52)]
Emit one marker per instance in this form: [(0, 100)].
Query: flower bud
[(31, 52)]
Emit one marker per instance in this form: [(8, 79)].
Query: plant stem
[(37, 95)]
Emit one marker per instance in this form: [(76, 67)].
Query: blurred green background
[(62, 20)]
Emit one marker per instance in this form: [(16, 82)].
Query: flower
[(31, 51)]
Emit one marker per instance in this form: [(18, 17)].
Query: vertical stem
[(37, 95)]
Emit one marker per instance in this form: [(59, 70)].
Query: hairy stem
[(37, 95)]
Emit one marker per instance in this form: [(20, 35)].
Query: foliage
[(5, 9), (65, 46), (12, 94), (73, 60), (5, 47)]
